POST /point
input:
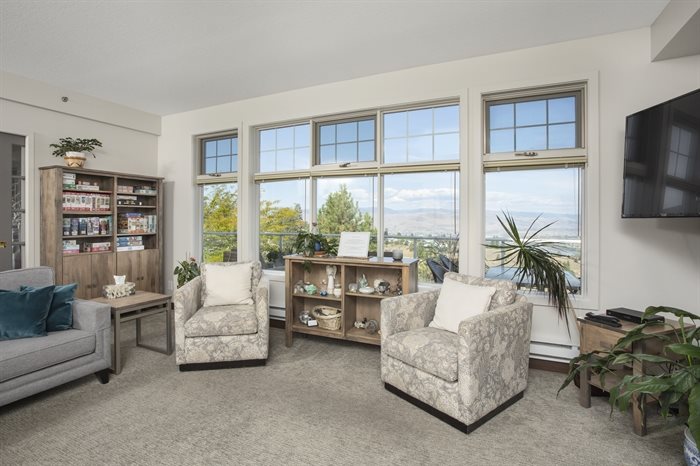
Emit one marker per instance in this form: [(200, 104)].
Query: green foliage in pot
[(186, 271), (75, 145), (307, 243), (536, 263), (676, 371)]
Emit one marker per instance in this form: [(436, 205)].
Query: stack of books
[(86, 202), (68, 180), (87, 226), (130, 243), (134, 223), (104, 246), (71, 246), (123, 199)]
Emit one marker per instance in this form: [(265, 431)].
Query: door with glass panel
[(12, 214)]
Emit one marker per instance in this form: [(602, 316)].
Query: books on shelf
[(136, 189), (86, 202), (130, 248), (136, 222), (68, 180), (87, 226), (104, 246), (128, 200), (71, 246)]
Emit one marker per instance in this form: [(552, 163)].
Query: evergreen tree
[(341, 213)]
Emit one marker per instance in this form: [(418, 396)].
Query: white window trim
[(590, 251)]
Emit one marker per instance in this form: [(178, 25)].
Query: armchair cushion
[(212, 321), (429, 349), (459, 301), (506, 291), (226, 283)]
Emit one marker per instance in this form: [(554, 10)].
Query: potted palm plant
[(73, 150), (675, 382), (535, 262)]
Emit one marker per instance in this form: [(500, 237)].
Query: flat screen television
[(662, 160)]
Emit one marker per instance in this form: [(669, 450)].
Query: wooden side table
[(136, 307), (601, 337)]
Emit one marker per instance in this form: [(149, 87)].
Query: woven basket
[(327, 322)]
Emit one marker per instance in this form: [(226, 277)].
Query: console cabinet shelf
[(355, 306), (97, 224)]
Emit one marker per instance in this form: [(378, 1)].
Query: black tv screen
[(662, 160)]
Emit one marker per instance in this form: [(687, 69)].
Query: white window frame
[(588, 156), (203, 179), (374, 168)]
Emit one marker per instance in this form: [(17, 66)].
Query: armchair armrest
[(407, 312), (187, 301), (91, 316), (493, 357)]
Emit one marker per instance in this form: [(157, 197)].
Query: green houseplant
[(675, 380), (308, 243), (73, 150), (535, 262), (186, 270)]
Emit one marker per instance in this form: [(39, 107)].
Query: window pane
[(327, 154), (365, 151), (420, 122), (552, 193), (234, 146), (501, 140), (446, 146), (531, 138), (267, 139), (447, 119), (531, 113), (210, 166), (421, 217), (394, 150), (562, 136), (347, 132), (395, 125), (562, 110), (223, 147), (283, 212), (210, 149), (501, 116), (420, 149), (285, 138), (219, 222), (223, 164), (366, 130), (347, 152), (284, 148), (328, 134)]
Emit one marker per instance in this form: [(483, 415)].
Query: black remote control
[(603, 319)]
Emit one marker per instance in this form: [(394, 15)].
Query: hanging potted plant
[(73, 150)]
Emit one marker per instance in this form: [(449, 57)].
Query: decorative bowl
[(366, 290)]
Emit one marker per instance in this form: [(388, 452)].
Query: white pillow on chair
[(458, 301), (227, 283)]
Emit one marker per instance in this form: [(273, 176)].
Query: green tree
[(219, 215), (341, 213), (274, 219)]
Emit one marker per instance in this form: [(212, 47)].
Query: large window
[(218, 196), (415, 180), (538, 177)]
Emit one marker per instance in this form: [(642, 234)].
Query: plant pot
[(690, 450), (74, 159)]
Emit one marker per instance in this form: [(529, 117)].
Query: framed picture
[(354, 244)]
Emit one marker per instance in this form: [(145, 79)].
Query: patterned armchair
[(210, 337), (463, 378)]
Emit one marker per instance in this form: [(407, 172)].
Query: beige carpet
[(319, 402)]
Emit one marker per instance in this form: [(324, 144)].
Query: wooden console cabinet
[(120, 222), (355, 305)]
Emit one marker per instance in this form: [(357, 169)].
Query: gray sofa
[(32, 365)]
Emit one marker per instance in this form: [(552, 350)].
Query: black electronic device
[(631, 315), (603, 319), (662, 160)]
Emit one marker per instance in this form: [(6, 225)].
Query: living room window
[(218, 196), (420, 145), (284, 148), (535, 154)]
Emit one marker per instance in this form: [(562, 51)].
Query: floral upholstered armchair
[(221, 317), (465, 376)]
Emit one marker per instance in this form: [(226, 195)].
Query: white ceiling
[(171, 56)]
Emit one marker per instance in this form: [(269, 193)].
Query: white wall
[(640, 262), (28, 108)]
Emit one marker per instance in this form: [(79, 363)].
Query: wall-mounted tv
[(662, 160)]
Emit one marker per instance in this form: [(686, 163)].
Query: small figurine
[(362, 282)]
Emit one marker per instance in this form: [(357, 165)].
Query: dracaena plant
[(186, 271), (536, 262), (676, 379)]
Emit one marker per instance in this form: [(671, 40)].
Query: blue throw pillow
[(23, 313), (61, 310)]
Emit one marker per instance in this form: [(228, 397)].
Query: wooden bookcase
[(354, 305), (85, 227)]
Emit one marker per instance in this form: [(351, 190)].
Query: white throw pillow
[(458, 301), (227, 284)]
